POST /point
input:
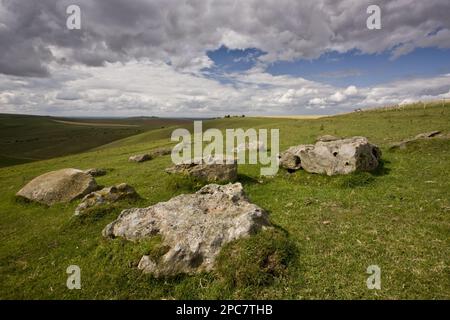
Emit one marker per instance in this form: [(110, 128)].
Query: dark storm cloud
[(181, 31), (23, 58)]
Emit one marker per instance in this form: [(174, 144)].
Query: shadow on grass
[(382, 170), (246, 180), (180, 183), (256, 261), (363, 179), (22, 201)]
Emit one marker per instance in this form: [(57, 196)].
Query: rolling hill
[(396, 218), (26, 138)]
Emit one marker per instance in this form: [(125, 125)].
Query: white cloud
[(338, 96), (153, 88), (317, 101), (350, 91)]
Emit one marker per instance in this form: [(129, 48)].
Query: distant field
[(397, 217), (26, 138), (294, 117), (96, 124)]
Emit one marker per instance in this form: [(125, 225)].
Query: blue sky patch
[(338, 69)]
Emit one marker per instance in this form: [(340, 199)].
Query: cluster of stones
[(194, 227)]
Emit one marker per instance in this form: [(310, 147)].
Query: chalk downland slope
[(26, 138), (328, 229)]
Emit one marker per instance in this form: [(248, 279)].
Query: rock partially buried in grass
[(420, 136), (194, 226), (58, 186), (106, 196), (426, 135), (341, 156), (210, 169), (327, 138), (151, 155), (95, 172), (140, 158), (160, 152)]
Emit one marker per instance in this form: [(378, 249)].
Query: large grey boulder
[(193, 226), (106, 196), (58, 186), (210, 169), (341, 156)]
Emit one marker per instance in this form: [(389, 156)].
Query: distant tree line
[(234, 116)]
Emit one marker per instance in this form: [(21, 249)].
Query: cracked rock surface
[(193, 226), (341, 156)]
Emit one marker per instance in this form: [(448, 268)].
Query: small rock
[(211, 169), (399, 145), (140, 158), (160, 152), (403, 144), (426, 135), (106, 196), (95, 172), (327, 138)]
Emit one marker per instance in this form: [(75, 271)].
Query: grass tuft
[(256, 261), (359, 179)]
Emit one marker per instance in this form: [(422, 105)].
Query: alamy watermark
[(74, 278), (73, 21), (237, 144), (373, 22), (374, 280)]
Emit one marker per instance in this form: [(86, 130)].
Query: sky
[(201, 58)]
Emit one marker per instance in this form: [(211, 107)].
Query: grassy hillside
[(26, 138), (397, 218)]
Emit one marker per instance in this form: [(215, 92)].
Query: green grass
[(328, 229), (26, 138)]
